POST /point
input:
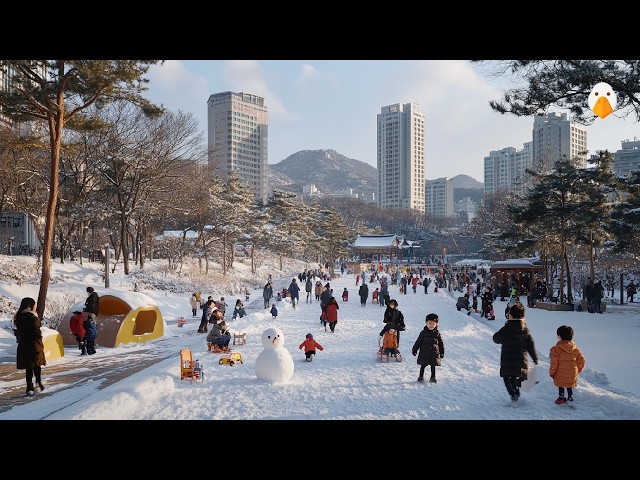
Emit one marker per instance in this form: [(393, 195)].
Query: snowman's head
[(272, 338)]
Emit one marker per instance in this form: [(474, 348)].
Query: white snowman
[(274, 364)]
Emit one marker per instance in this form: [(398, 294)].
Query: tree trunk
[(124, 246), (224, 253), (54, 140), (563, 251), (569, 287), (206, 256), (592, 273), (253, 259)]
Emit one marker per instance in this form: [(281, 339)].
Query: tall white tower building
[(506, 168), (237, 126), (556, 137), (627, 159), (439, 197), (401, 157)]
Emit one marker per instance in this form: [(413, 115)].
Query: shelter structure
[(52, 341), (515, 270), (380, 248), (122, 318)]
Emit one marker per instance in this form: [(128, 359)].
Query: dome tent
[(52, 341), (53, 344), (123, 317)]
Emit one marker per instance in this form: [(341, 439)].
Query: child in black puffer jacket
[(431, 347)]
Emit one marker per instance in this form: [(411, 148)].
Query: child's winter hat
[(309, 335), (431, 316)]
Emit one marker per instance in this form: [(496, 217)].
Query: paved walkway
[(104, 365)]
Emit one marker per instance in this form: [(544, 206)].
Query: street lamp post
[(93, 240), (11, 237), (106, 265)]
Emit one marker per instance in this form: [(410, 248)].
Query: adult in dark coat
[(363, 291), (463, 302), (487, 304), (425, 283), (393, 318), (30, 352), (267, 293), (598, 293), (430, 346), (325, 296), (517, 342), (631, 291), (92, 303), (207, 310), (589, 293), (308, 287), (384, 297), (294, 290)]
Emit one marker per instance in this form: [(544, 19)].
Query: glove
[(535, 363), (442, 355), (414, 354)]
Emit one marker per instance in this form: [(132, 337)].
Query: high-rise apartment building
[(507, 168), (555, 137), (439, 197), (7, 83), (238, 138), (627, 159), (465, 210), (401, 157)]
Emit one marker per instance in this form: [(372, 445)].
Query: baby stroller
[(512, 301), (383, 357)]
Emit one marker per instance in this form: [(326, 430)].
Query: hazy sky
[(333, 104)]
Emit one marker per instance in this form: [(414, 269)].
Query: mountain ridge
[(332, 172)]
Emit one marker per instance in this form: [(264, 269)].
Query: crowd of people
[(517, 344), (516, 341)]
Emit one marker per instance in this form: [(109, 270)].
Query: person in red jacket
[(310, 346), (345, 295), (375, 296), (76, 324), (332, 314)]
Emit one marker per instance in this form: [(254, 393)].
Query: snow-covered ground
[(346, 380)]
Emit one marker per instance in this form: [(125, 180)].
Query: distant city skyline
[(333, 104)]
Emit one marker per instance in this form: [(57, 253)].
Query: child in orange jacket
[(310, 346), (565, 363), (390, 343)]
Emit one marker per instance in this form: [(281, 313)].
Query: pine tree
[(53, 94)]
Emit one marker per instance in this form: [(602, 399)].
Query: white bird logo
[(602, 100)]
